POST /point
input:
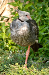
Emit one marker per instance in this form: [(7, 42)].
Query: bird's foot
[(25, 66)]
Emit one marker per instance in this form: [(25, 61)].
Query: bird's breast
[(21, 33), (24, 29)]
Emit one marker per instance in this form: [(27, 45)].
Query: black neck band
[(20, 20)]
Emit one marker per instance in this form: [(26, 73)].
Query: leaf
[(40, 38), (43, 30), (39, 5), (11, 9), (16, 0), (14, 3), (38, 20), (20, 5), (33, 7), (16, 14), (2, 36), (13, 13), (3, 27), (28, 5), (25, 0)]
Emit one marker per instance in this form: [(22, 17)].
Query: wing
[(34, 27)]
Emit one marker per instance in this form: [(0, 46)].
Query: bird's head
[(23, 15)]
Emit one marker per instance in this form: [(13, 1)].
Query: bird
[(24, 32)]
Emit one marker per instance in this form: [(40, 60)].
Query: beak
[(29, 17)]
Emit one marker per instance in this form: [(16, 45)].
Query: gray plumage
[(24, 31)]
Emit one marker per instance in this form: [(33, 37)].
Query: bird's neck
[(20, 20)]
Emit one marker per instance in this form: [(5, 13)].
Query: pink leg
[(27, 54)]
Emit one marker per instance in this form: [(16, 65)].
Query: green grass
[(13, 64)]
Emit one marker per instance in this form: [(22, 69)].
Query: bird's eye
[(26, 15)]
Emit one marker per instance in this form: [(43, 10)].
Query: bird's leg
[(27, 54)]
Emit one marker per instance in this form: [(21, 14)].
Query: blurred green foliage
[(12, 56)]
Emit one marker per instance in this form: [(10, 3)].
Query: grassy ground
[(12, 63)]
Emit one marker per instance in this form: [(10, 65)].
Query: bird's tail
[(36, 46)]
